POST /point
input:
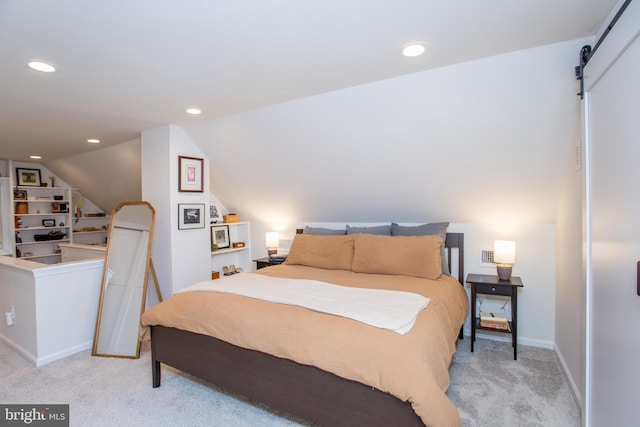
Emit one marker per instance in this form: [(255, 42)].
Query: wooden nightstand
[(266, 262), (492, 285)]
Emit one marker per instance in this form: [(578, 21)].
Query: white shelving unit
[(90, 230), (239, 257), (44, 205)]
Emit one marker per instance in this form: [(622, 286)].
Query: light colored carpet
[(488, 387)]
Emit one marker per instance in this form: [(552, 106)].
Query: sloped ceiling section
[(106, 176), (483, 141), (129, 66)]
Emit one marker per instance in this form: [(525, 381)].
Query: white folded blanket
[(393, 310)]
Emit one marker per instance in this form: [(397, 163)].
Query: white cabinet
[(42, 220), (239, 232)]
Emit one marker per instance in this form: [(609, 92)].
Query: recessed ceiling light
[(42, 66), (93, 141), (35, 157), (413, 49), (194, 111)]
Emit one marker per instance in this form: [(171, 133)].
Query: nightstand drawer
[(494, 289)]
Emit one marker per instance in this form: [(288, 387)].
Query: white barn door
[(613, 204)]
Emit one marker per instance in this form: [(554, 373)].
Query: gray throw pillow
[(323, 231), (379, 230)]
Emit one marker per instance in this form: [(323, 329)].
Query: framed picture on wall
[(191, 172), (28, 177), (219, 237), (190, 216)]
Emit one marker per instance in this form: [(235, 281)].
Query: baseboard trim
[(19, 349), (41, 361), (502, 337), (567, 374)]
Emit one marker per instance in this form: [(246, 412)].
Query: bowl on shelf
[(52, 235)]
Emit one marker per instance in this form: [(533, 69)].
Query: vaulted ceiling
[(127, 66)]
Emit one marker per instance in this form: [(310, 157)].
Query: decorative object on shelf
[(52, 179), (231, 218), (272, 241), (50, 222), (190, 216), (214, 212), (28, 177), (238, 245), (504, 256), (52, 235), (19, 194), (215, 275), (59, 207), (229, 270), (22, 208), (191, 173), (78, 203), (220, 236)]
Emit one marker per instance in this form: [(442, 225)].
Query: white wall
[(478, 142), (181, 257), (107, 176)]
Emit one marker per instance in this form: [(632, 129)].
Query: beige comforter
[(412, 367)]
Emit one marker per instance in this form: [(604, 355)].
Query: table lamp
[(504, 256), (272, 242)]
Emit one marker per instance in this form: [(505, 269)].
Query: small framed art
[(191, 172), (190, 216), (28, 177), (19, 194), (48, 222), (219, 237)]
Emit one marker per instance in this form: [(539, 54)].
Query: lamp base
[(504, 271)]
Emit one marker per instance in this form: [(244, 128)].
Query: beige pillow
[(417, 256), (330, 252)]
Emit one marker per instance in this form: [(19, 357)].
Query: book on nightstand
[(497, 321), (278, 257)]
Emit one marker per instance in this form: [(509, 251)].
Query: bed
[(322, 368)]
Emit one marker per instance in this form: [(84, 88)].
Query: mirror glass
[(124, 280)]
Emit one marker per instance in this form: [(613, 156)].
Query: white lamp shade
[(272, 239), (504, 252)]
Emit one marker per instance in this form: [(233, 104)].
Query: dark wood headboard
[(453, 241), (456, 241)]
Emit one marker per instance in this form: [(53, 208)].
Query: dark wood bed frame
[(301, 391)]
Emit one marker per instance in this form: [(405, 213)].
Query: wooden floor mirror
[(124, 280)]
